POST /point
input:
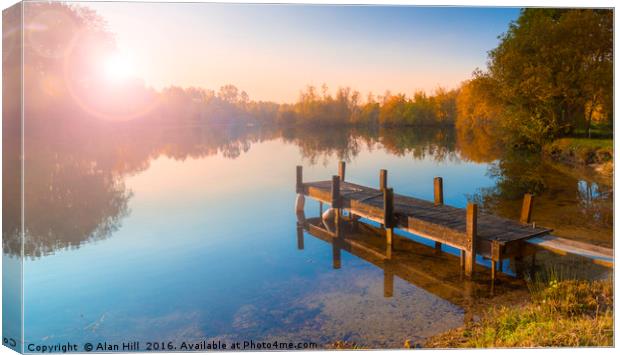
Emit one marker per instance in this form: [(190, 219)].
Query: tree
[(549, 66), (393, 109), (445, 105), (229, 93), (477, 105)]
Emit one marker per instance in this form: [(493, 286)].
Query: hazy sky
[(274, 51)]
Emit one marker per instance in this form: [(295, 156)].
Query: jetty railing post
[(336, 203), (438, 184), (388, 217), (300, 236), (382, 179), (438, 189), (336, 255), (526, 209), (468, 317), (300, 200), (335, 196), (299, 186), (471, 233), (341, 173), (388, 283), (495, 258)]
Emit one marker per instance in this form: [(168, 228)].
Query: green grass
[(595, 132), (561, 313), (581, 150)]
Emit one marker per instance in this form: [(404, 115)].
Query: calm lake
[(190, 233)]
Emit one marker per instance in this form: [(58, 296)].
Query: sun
[(118, 67)]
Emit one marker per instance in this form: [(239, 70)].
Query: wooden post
[(341, 170), (321, 208), (495, 257), (299, 186), (517, 264), (338, 223), (382, 179), (388, 208), (438, 183), (336, 260), (468, 302), (388, 283), (388, 218), (300, 202), (438, 188), (336, 192), (526, 209), (354, 221), (471, 232), (438, 192), (300, 236), (336, 203)]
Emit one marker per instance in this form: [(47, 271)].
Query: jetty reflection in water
[(423, 266)]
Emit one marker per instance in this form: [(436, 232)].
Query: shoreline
[(592, 153)]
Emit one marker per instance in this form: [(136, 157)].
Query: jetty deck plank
[(442, 223)]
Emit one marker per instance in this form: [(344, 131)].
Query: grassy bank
[(597, 153), (560, 313)]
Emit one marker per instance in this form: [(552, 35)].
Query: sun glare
[(118, 67)]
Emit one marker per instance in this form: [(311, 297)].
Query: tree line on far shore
[(550, 76), (345, 107)]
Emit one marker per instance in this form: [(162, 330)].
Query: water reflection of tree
[(572, 203), (420, 142), (479, 146), (74, 176), (317, 144), (69, 200)]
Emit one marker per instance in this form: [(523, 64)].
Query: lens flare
[(118, 67)]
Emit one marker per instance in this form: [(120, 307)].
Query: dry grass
[(561, 313)]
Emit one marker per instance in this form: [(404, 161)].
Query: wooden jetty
[(468, 230)]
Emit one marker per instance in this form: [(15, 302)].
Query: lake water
[(189, 234)]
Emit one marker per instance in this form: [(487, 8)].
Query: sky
[(274, 51)]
